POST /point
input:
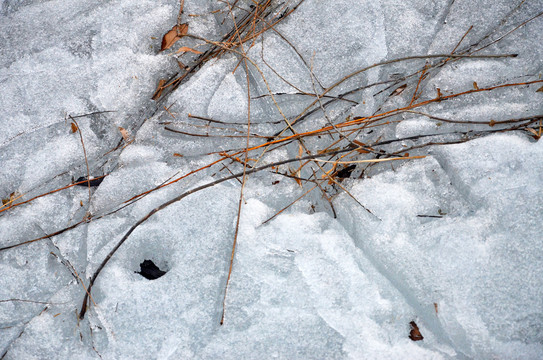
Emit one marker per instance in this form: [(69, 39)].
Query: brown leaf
[(74, 127), (12, 197), (177, 155), (171, 37), (185, 49), (435, 307), (415, 334), (295, 175), (125, 135), (535, 135), (540, 89), (399, 90), (475, 86)]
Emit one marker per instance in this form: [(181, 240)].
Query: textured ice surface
[(481, 262), (452, 241)]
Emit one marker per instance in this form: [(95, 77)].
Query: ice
[(336, 266), (229, 101), (484, 252), (71, 62), (309, 263)]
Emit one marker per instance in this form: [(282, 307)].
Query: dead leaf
[(439, 94), (475, 86), (399, 90), (540, 89), (124, 134), (435, 307), (187, 49), (415, 334), (12, 197), (171, 37), (177, 155), (492, 123), (536, 135), (294, 174), (74, 127)]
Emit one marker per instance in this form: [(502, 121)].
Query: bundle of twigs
[(346, 143)]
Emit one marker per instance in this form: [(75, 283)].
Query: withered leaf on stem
[(171, 37), (74, 127)]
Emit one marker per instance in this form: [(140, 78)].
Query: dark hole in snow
[(91, 182), (149, 270)]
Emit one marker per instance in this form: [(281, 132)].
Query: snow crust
[(451, 241)]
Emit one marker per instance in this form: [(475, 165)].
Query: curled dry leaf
[(74, 127), (171, 37), (415, 334), (536, 135), (540, 89)]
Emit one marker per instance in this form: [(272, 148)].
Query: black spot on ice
[(149, 270)]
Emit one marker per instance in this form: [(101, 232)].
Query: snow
[(450, 240)]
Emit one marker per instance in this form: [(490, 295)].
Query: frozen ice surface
[(481, 261), (451, 241)]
